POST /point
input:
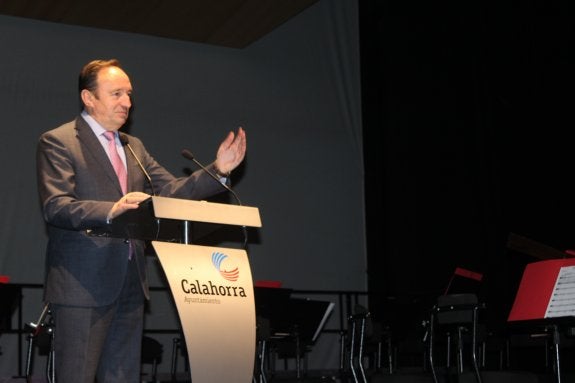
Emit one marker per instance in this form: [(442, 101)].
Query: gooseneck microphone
[(126, 142), (188, 155)]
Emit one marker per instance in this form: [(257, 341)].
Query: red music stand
[(543, 291), (546, 298)]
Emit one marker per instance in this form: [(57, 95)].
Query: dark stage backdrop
[(468, 138), (296, 92)]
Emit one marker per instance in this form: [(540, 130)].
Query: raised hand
[(231, 152)]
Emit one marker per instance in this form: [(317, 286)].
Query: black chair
[(295, 328), (179, 349), (456, 317), (356, 335), (365, 341), (41, 335), (263, 335)]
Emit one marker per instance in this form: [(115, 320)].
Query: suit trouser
[(101, 344)]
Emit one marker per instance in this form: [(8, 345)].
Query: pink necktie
[(120, 171), (117, 161)]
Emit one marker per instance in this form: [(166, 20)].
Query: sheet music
[(562, 302)]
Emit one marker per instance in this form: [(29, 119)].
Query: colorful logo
[(230, 275)]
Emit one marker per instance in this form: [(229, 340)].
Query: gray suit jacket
[(78, 187)]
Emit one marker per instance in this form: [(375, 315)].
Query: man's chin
[(121, 122)]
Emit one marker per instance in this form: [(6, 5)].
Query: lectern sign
[(212, 289)]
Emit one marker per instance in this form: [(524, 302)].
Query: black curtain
[(467, 132)]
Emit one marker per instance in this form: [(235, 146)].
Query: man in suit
[(96, 286)]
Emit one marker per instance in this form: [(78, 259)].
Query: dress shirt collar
[(94, 125)]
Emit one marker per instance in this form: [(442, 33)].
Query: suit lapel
[(93, 145)]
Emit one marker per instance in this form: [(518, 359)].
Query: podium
[(211, 286)]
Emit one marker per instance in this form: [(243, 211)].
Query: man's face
[(110, 103)]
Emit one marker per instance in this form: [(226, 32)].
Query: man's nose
[(126, 101)]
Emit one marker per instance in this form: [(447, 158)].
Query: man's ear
[(87, 97)]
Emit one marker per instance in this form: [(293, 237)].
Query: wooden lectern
[(212, 286)]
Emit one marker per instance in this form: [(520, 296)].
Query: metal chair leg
[(431, 339), (260, 375), (351, 352), (51, 363), (175, 350), (556, 351), (474, 345), (360, 353)]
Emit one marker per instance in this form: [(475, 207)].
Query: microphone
[(125, 142), (187, 154)]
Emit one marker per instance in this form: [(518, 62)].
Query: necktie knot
[(110, 136)]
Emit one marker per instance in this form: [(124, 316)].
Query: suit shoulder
[(62, 130)]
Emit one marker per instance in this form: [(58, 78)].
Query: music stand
[(9, 301), (545, 298), (298, 325), (272, 303)]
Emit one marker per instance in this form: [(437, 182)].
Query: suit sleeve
[(198, 185)]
